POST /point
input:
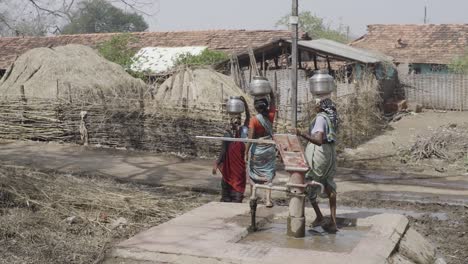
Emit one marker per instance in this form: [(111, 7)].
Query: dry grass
[(52, 218)]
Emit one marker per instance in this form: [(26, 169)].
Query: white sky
[(172, 15)]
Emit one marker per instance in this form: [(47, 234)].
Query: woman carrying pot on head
[(321, 156), (231, 160), (261, 165)]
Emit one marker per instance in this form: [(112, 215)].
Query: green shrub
[(207, 57)]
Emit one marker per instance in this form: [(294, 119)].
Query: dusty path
[(382, 151), (152, 169)]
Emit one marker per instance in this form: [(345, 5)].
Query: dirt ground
[(47, 217), (385, 150), (443, 225), (52, 217)]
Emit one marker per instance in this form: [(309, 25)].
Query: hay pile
[(449, 143), (53, 218), (72, 71), (197, 86)]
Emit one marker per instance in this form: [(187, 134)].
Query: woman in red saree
[(231, 161)]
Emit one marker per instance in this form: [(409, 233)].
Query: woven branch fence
[(120, 123)]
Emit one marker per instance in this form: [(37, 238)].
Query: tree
[(99, 16), (316, 27), (460, 64), (39, 17)]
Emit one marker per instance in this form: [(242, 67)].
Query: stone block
[(416, 248), (398, 259)]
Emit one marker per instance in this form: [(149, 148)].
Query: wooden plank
[(253, 62)]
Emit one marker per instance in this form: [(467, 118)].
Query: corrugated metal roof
[(336, 49), (159, 59)]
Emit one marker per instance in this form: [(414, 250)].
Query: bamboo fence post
[(57, 92), (69, 94), (141, 101), (23, 94), (222, 93), (23, 103)]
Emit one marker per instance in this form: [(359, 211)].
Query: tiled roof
[(438, 44), (232, 41)]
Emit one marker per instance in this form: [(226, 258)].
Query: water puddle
[(274, 235)]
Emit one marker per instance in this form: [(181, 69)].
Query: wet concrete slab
[(218, 233)]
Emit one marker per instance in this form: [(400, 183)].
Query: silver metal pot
[(235, 105), (260, 86), (321, 83)]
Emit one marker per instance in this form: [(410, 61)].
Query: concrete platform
[(213, 233)]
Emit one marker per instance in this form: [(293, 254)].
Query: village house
[(417, 49), (422, 54)]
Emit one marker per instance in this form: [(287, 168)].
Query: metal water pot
[(235, 105), (260, 86), (321, 83)]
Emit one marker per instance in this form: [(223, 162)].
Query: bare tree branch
[(52, 12)]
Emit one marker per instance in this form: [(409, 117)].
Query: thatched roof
[(438, 44)]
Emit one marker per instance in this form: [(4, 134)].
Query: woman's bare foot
[(330, 228)]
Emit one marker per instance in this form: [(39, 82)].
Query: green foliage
[(117, 49), (100, 16), (207, 57), (459, 64), (317, 28)]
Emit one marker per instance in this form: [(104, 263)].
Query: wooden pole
[(23, 94), (69, 93), (222, 93), (263, 64), (57, 92), (275, 88)]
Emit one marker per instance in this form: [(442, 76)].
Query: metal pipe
[(253, 213), (294, 21), (267, 187), (310, 183), (246, 140)]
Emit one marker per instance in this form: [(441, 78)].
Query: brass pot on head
[(260, 86), (235, 105), (321, 83)]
